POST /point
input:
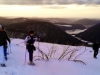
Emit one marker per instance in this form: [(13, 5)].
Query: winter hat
[(0, 26), (30, 32)]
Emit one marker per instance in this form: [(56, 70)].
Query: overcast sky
[(51, 8), (50, 2)]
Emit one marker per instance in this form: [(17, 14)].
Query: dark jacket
[(30, 43), (2, 38), (7, 38), (95, 46)]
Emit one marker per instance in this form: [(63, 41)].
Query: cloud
[(22, 2), (54, 6), (50, 2)]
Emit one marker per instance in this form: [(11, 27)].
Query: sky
[(50, 8)]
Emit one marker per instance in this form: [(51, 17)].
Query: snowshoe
[(95, 57), (3, 65), (31, 63)]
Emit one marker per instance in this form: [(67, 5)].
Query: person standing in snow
[(2, 44), (29, 42), (5, 47), (95, 48)]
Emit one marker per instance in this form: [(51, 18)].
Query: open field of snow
[(16, 61)]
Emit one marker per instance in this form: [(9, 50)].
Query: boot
[(31, 63), (3, 65)]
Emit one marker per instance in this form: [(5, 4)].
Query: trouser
[(30, 49), (5, 51), (2, 60), (95, 53), (30, 55)]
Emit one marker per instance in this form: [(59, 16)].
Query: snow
[(77, 31), (16, 60), (66, 25)]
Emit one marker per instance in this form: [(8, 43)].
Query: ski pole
[(37, 40), (38, 48), (10, 48), (25, 57), (7, 50)]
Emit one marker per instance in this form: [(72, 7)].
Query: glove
[(34, 48)]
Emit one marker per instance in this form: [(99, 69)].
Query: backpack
[(30, 41)]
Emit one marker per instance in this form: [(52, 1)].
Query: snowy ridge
[(16, 59)]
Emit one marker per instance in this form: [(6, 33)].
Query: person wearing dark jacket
[(2, 44), (7, 39), (29, 42), (96, 49)]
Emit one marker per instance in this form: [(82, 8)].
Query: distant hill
[(60, 20), (87, 21), (92, 34), (66, 26), (7, 21), (46, 30), (4, 21)]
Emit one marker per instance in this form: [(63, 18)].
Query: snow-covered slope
[(16, 61)]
